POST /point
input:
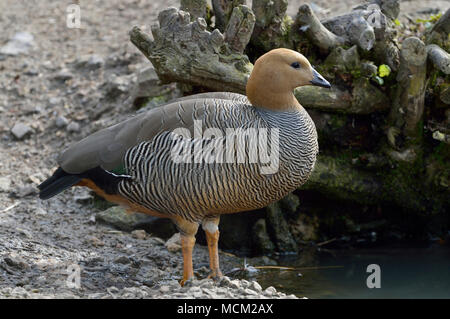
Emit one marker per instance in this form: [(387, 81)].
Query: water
[(405, 273)]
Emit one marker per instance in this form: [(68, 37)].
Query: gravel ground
[(65, 84)]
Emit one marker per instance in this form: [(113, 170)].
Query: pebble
[(94, 62), (61, 121), (90, 62), (173, 244), (139, 234), (63, 75), (255, 286), (20, 292), (20, 43), (15, 262), (164, 289), (25, 191), (20, 130), (234, 284), (54, 100), (5, 184), (73, 127), (94, 241), (248, 291), (84, 198), (40, 211), (270, 291), (122, 260)]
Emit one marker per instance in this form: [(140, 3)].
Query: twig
[(326, 242), (10, 207)]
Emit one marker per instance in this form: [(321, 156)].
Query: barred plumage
[(194, 190)]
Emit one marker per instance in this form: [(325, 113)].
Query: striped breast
[(234, 177)]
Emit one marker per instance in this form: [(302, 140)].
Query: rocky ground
[(58, 85)]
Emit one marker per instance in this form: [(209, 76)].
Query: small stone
[(157, 241), (234, 284), (255, 286), (63, 75), (139, 234), (20, 292), (245, 283), (84, 198), (36, 178), (221, 290), (54, 100), (31, 72), (20, 130), (5, 184), (173, 244), (206, 283), (122, 260), (15, 262), (40, 211), (119, 218), (225, 281), (164, 289), (94, 62), (24, 232), (210, 293), (194, 289), (61, 121), (73, 127), (270, 291), (115, 86), (20, 43), (248, 291), (90, 62), (197, 294), (25, 191), (94, 241)]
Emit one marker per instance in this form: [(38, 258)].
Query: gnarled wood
[(240, 28), (184, 51), (196, 8), (272, 25), (439, 34), (439, 57), (391, 8), (223, 10), (404, 132), (364, 99), (317, 33)]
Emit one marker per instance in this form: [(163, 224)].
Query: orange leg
[(187, 246), (187, 235), (212, 238)]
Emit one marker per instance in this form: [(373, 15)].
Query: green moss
[(356, 74), (100, 203)]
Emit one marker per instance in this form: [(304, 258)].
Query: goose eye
[(296, 65)]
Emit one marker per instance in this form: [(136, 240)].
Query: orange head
[(276, 74)]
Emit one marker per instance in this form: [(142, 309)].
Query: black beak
[(319, 80)]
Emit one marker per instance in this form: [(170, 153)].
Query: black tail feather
[(58, 182)]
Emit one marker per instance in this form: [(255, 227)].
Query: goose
[(204, 155)]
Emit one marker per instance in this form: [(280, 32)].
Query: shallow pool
[(404, 273)]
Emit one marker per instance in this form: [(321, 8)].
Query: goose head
[(276, 74)]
